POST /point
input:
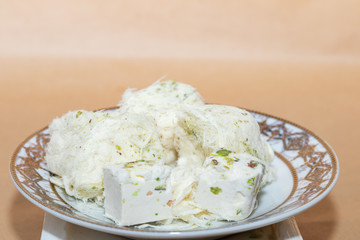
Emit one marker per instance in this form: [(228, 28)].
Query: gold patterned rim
[(304, 198), (329, 150)]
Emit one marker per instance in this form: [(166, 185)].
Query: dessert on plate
[(163, 158)]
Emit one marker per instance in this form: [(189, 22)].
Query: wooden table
[(299, 61)]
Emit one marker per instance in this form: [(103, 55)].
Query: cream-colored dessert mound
[(209, 127), (199, 132), (162, 101), (169, 125), (83, 142), (160, 96)]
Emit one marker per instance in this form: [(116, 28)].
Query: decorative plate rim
[(233, 228)]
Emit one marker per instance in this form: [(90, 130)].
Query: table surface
[(296, 60)]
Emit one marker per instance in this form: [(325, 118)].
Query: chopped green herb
[(129, 164), (251, 181), (118, 147), (229, 161), (123, 201), (215, 190), (157, 179), (160, 187), (156, 214), (238, 212), (93, 187), (102, 189), (136, 193), (78, 114), (251, 151), (223, 153)]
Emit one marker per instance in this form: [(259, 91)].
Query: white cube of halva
[(229, 184), (137, 192)]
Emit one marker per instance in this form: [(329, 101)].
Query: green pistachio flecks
[(215, 190), (251, 181), (136, 193), (78, 114), (160, 187), (223, 153)]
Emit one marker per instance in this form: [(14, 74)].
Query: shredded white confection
[(168, 124)]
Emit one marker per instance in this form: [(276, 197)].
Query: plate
[(54, 226), (307, 169)]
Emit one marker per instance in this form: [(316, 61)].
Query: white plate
[(307, 169), (57, 229)]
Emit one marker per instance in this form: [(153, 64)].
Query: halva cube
[(229, 184), (137, 192)]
